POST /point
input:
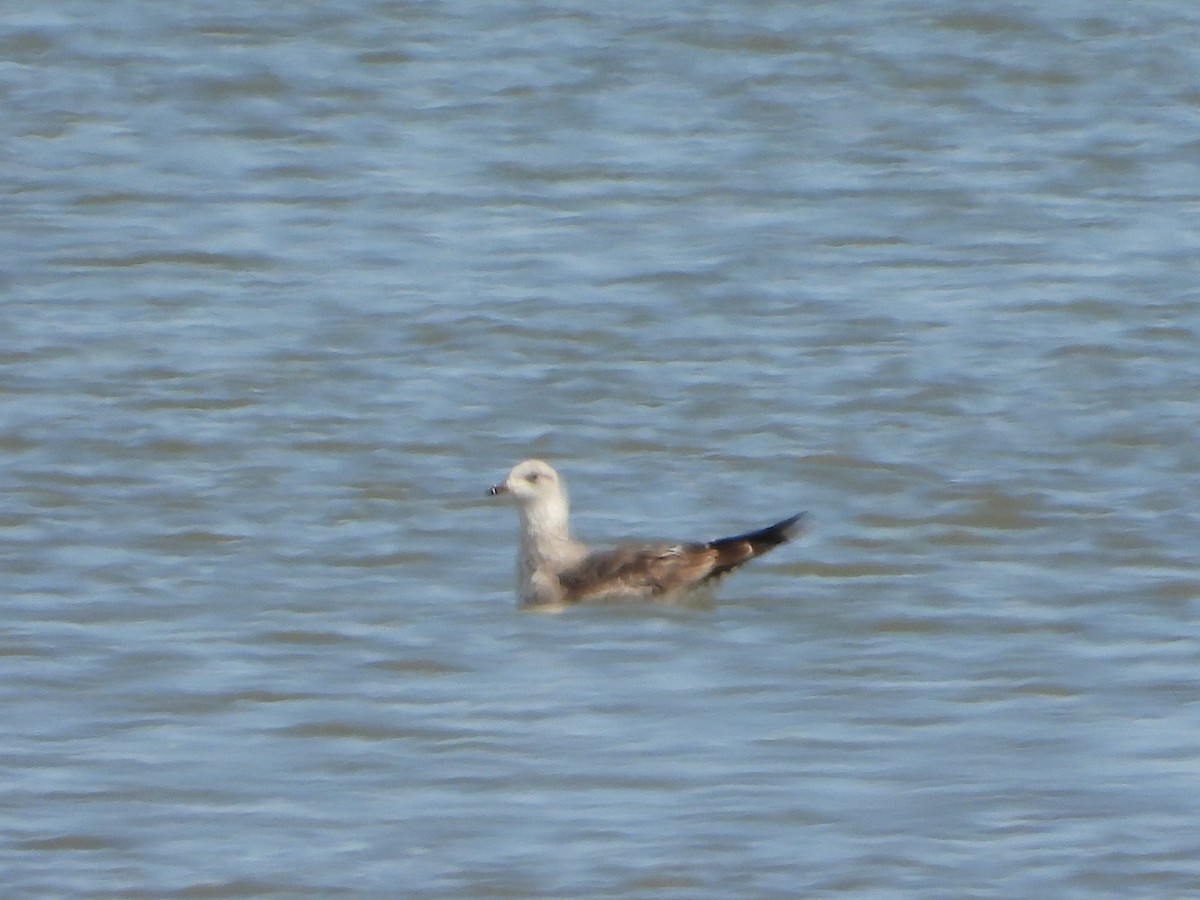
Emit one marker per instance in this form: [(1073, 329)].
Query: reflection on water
[(284, 292)]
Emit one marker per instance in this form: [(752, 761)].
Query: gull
[(555, 571)]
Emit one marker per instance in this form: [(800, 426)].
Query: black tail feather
[(741, 548), (765, 538)]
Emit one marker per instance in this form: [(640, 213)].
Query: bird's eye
[(532, 477)]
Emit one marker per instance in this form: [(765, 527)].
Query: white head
[(546, 544), (532, 482)]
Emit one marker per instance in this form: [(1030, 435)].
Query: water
[(284, 291)]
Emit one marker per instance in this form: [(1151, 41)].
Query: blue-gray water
[(285, 287)]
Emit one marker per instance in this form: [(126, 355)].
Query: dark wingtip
[(774, 535), (735, 551), (764, 539), (793, 526)]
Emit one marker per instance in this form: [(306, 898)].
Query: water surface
[(284, 291)]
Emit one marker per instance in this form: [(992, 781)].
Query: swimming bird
[(555, 571)]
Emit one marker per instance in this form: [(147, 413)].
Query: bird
[(554, 571)]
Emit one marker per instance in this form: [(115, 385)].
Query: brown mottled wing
[(648, 572), (638, 572)]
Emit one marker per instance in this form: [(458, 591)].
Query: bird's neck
[(544, 529)]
